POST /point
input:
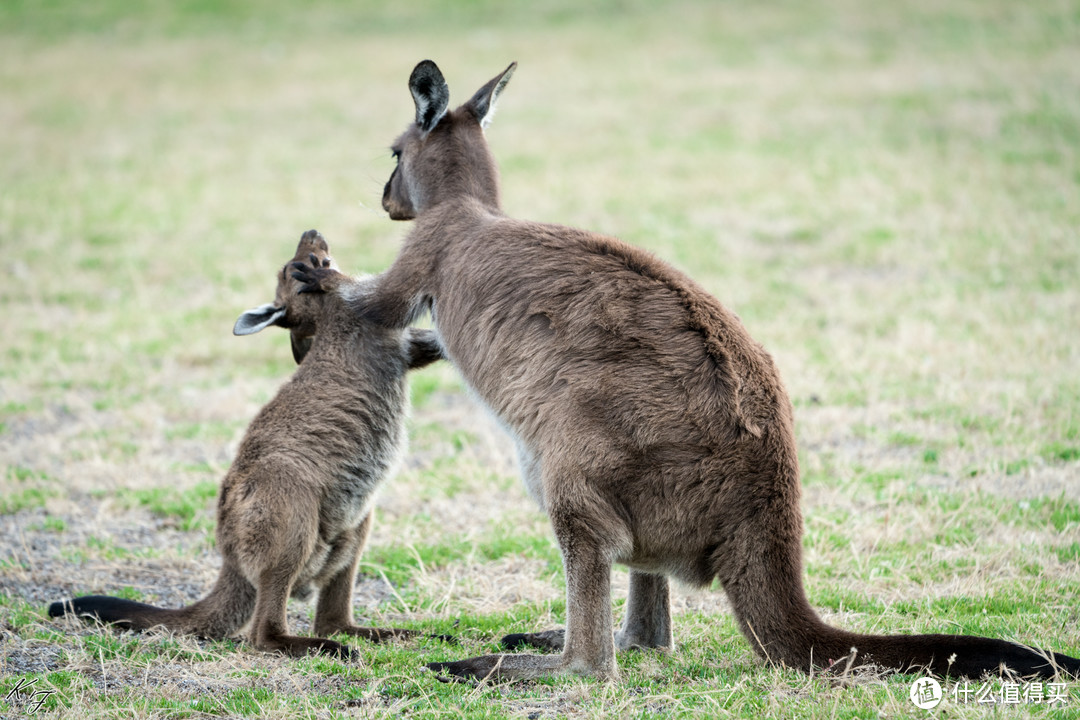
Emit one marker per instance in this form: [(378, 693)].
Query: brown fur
[(295, 507), (650, 426)]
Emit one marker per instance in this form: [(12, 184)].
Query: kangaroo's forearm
[(398, 297)]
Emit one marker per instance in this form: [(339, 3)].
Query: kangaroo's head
[(443, 154), (295, 311)]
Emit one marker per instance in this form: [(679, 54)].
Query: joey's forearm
[(424, 349)]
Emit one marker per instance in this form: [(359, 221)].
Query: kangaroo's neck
[(466, 183), (467, 172), (453, 220)]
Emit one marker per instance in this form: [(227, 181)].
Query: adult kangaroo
[(294, 509), (649, 425)]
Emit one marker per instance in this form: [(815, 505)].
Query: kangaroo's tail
[(957, 655), (782, 627), (220, 614), (762, 575)]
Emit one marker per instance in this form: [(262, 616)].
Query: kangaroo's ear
[(482, 104), (300, 346), (430, 93), (257, 319)]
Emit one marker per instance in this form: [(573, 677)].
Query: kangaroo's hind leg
[(590, 534), (648, 614), (647, 624)]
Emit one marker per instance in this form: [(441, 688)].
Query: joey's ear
[(300, 346), (430, 93), (482, 104), (257, 319)]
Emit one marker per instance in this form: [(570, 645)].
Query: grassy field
[(887, 194)]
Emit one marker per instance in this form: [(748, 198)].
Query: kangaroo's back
[(542, 317)]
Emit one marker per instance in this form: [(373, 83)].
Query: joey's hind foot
[(331, 648), (379, 635), (301, 647), (376, 635)]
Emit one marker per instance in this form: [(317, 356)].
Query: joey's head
[(443, 153), (298, 312)]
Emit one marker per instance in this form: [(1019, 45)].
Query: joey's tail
[(220, 614)]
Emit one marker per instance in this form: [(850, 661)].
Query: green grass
[(398, 563), (888, 195), (23, 499), (191, 509)]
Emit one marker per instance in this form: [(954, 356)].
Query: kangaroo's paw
[(313, 275)]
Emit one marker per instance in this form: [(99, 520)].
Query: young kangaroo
[(649, 425), (295, 507)]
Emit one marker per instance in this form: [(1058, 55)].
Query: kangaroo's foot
[(497, 668), (587, 645), (626, 639), (554, 640), (550, 640)]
